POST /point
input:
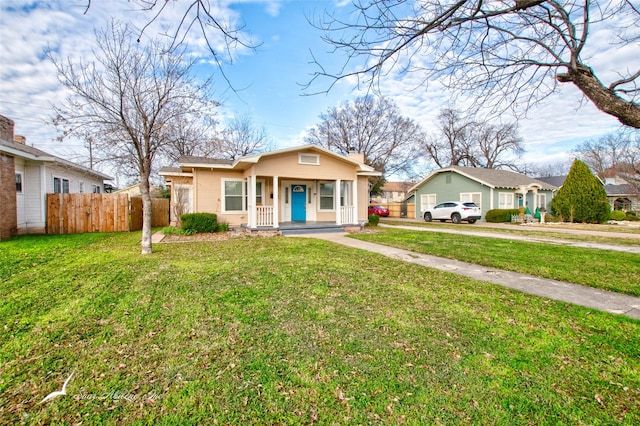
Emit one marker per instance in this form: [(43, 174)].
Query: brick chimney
[(6, 128), (355, 155)]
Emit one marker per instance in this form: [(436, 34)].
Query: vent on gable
[(311, 159)]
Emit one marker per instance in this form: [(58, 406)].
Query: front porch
[(274, 203)]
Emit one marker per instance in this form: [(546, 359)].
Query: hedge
[(500, 215), (194, 223)]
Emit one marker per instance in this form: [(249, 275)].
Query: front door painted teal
[(298, 203)]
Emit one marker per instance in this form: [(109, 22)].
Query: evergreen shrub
[(195, 223)]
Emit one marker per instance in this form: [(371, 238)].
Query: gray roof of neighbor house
[(612, 190), (494, 178), (188, 159), (31, 153), (553, 180)]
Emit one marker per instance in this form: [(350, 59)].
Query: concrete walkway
[(517, 237), (557, 290)]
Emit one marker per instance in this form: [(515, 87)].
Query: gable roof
[(556, 181), (245, 161), (27, 152), (493, 178), (619, 190)]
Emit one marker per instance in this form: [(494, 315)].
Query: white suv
[(457, 211)]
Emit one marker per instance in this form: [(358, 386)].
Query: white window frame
[(96, 189), (345, 193), (260, 194), (467, 197), (21, 191), (542, 200), (81, 186), (503, 202), (243, 196), (333, 196), (315, 157), (425, 201), (61, 180)]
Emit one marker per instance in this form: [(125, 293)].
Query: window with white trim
[(19, 180), (96, 189), (326, 196), (310, 159), (345, 193), (233, 195), (505, 200), (427, 201), (81, 186), (60, 185), (259, 192), (542, 201), (473, 197)]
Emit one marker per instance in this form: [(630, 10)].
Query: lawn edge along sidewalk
[(603, 300)]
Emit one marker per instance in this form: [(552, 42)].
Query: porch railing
[(264, 215), (348, 215)]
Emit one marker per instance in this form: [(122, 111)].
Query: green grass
[(552, 232), (293, 331), (604, 269)]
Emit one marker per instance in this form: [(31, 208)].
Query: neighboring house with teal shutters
[(488, 188), (301, 185)]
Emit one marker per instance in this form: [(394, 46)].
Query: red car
[(379, 211)]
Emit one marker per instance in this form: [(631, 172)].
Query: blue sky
[(268, 79)]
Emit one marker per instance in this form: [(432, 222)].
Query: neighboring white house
[(37, 173)]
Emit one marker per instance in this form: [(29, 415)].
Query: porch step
[(307, 228)]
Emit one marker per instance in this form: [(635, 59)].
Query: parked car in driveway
[(379, 211), (456, 211)]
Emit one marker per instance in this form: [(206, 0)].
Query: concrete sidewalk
[(557, 290), (517, 237)]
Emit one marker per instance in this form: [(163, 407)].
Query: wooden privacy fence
[(400, 209), (159, 212), (80, 213)]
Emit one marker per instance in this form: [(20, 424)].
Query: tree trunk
[(606, 100), (146, 214)]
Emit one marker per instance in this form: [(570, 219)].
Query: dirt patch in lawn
[(217, 236)]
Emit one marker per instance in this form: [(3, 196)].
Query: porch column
[(251, 201), (336, 202), (535, 199), (276, 203), (354, 191)]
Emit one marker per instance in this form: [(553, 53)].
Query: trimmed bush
[(500, 215), (617, 215), (374, 220), (195, 223), (631, 216)]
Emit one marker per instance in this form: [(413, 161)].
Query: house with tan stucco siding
[(306, 184)]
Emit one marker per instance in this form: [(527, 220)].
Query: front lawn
[(605, 269), (293, 331)]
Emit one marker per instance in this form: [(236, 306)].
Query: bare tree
[(242, 137), (373, 127), (619, 151), (556, 168), (220, 36), (464, 141), (124, 101), (507, 53), (191, 135)]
